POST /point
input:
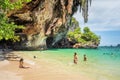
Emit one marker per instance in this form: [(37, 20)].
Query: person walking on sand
[(85, 58), (21, 63), (75, 58)]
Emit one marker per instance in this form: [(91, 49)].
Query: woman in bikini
[(75, 58)]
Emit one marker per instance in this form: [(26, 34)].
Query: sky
[(104, 20)]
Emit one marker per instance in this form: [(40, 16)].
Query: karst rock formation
[(46, 21)]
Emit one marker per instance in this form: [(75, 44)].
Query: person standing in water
[(85, 58), (75, 58)]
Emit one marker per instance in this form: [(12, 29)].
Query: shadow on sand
[(7, 54), (25, 67)]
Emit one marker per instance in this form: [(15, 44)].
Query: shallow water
[(102, 63)]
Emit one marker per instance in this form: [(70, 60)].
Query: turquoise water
[(102, 63)]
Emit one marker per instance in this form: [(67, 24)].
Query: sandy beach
[(37, 69)]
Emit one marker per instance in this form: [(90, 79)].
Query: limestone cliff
[(46, 21)]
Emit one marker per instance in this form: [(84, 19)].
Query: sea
[(102, 63)]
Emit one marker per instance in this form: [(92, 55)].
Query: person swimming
[(75, 58), (34, 57)]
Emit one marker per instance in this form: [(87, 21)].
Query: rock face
[(67, 43), (46, 22)]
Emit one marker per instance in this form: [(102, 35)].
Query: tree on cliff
[(7, 29), (87, 37), (45, 21)]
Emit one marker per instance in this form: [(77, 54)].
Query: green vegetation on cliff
[(85, 37), (7, 29)]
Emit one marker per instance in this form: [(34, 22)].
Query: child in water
[(75, 58)]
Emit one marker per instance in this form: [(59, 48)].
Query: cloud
[(104, 15)]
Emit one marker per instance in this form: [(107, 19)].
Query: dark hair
[(34, 56), (21, 59), (75, 53)]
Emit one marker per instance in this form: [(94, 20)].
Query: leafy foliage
[(7, 28), (90, 36), (79, 37), (86, 36), (7, 5), (74, 24)]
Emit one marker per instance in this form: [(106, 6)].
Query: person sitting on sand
[(75, 58), (85, 58), (21, 63)]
